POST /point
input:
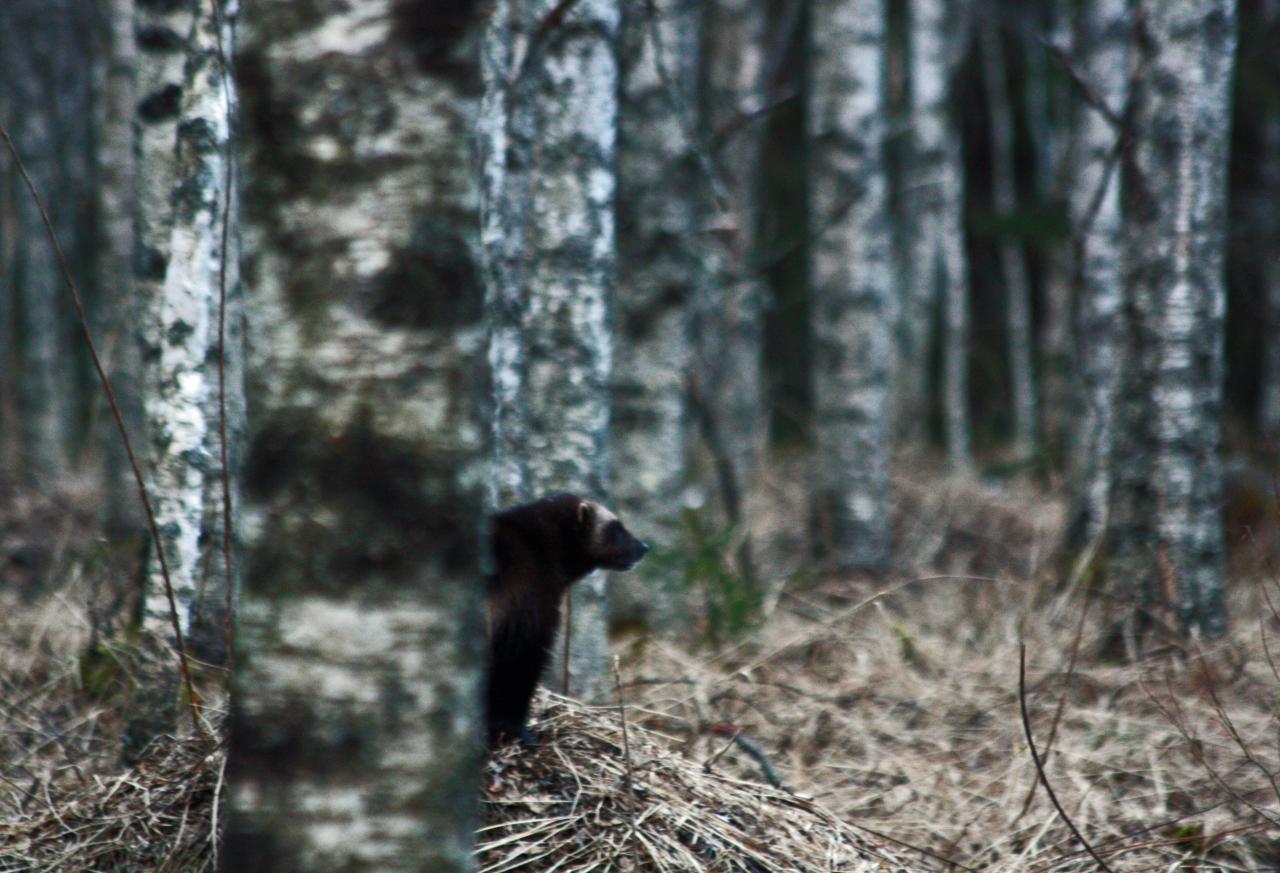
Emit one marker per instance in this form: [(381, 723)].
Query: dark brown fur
[(540, 549)]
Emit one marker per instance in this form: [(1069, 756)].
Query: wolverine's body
[(540, 549)]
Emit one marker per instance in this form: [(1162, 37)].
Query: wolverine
[(540, 549)]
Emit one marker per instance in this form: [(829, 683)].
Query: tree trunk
[(1180, 161), (728, 318), (46, 74), (355, 733), (661, 198), (851, 283), (1049, 111), (937, 268), (118, 301), (1269, 259), (548, 138), (1017, 284), (1102, 51)]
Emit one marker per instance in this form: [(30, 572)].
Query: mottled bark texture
[(355, 729), (726, 379), (661, 199), (117, 301), (936, 270), (548, 131), (852, 283), (183, 398), (1178, 195), (1020, 345), (45, 64), (1102, 51)]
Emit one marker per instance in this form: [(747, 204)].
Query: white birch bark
[(553, 349), (1017, 284), (355, 731), (937, 268), (1104, 35), (1180, 158), (183, 409), (852, 282), (661, 197)]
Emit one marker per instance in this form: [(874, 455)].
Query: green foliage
[(700, 567), (104, 672)]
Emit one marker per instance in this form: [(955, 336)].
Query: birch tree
[(728, 320), (1013, 265), (1176, 251), (1104, 35), (355, 729), (852, 275), (548, 133), (937, 270), (186, 392), (660, 274), (115, 280)]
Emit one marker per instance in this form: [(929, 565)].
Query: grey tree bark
[(1013, 265), (661, 200), (1269, 403), (548, 136), (1182, 122), (115, 278), (728, 318), (46, 73), (1050, 111), (852, 283), (1104, 35), (355, 729), (937, 269)]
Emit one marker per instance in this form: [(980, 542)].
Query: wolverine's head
[(610, 546)]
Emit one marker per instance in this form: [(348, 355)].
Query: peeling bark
[(852, 283)]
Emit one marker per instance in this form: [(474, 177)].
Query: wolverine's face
[(612, 545)]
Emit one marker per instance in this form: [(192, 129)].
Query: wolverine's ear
[(584, 512)]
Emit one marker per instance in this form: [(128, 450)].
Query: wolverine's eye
[(614, 534)]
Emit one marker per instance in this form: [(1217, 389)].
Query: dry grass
[(887, 711)]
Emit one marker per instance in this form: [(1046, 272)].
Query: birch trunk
[(115, 280), (183, 410), (548, 145), (852, 276), (1017, 284), (937, 269), (355, 730), (1102, 51), (728, 319), (660, 201), (1180, 159)]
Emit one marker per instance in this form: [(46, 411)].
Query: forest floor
[(858, 724)]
